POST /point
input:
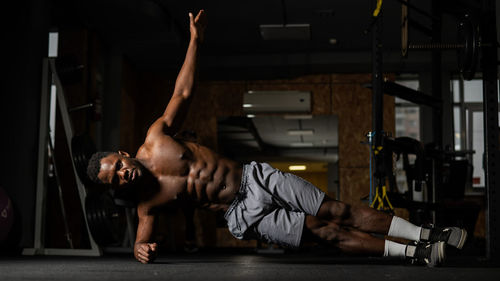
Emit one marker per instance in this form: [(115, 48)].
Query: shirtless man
[(260, 202)]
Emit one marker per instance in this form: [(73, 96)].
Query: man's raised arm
[(178, 106)]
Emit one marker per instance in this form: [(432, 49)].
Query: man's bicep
[(175, 113), (158, 129)]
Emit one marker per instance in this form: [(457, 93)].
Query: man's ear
[(123, 153)]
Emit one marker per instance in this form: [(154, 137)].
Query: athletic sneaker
[(430, 254), (453, 236)]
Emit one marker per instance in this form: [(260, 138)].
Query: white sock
[(404, 229), (393, 249)]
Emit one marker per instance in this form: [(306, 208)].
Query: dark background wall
[(26, 41)]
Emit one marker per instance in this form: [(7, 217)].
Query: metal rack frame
[(49, 74)]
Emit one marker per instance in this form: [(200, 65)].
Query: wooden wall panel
[(212, 100), (355, 78), (227, 97), (352, 104), (354, 185)]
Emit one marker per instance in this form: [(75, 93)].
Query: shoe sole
[(463, 237), (442, 253), (440, 256)]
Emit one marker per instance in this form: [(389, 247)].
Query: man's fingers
[(144, 248), (198, 15), (142, 258), (200, 18), (152, 246), (144, 251)]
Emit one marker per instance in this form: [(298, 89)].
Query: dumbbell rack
[(49, 74)]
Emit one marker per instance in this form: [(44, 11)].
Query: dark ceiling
[(153, 34)]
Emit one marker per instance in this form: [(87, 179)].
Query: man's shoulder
[(157, 131), (153, 140)]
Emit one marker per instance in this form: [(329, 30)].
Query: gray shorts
[(272, 205)]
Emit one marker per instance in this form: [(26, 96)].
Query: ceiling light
[(247, 105), (301, 144), (307, 132), (250, 115), (297, 167)]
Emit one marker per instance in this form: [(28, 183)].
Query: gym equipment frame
[(49, 74)]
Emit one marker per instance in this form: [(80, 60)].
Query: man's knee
[(322, 230), (335, 210)]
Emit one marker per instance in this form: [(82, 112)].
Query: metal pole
[(377, 101), (377, 81), (436, 76), (491, 134), (67, 232), (39, 239), (437, 93)]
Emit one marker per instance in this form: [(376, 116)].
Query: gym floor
[(240, 266)]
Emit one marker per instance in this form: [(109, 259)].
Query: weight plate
[(467, 57), (82, 148), (106, 220)]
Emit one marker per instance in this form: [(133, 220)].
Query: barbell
[(467, 46)]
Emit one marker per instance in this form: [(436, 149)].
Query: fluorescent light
[(247, 105), (250, 115), (301, 144), (297, 116), (307, 132), (297, 167)]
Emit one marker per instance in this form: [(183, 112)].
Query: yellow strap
[(377, 149), (384, 196), (379, 200), (377, 10)]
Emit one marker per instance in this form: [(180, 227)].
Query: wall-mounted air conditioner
[(276, 101)]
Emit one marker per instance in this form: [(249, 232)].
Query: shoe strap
[(410, 250), (425, 234)]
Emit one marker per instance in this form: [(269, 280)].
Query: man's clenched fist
[(145, 252)]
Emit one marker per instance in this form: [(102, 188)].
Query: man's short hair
[(94, 165)]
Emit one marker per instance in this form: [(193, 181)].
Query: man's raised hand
[(197, 25)]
